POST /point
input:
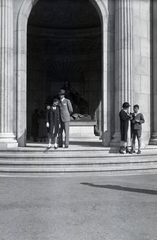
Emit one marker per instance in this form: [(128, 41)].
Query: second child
[(136, 128)]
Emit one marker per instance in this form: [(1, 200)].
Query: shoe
[(55, 146), (127, 150), (132, 151), (49, 146), (66, 146), (121, 151), (139, 151)]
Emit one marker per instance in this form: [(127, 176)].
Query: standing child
[(136, 128), (53, 123)]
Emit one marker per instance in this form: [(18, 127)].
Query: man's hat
[(62, 92), (126, 105)]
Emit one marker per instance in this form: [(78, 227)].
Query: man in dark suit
[(65, 111)]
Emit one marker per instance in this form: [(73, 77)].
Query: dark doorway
[(64, 47)]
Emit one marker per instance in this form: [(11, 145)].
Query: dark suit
[(65, 111)]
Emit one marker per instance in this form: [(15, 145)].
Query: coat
[(137, 125), (65, 110), (53, 117), (124, 123)]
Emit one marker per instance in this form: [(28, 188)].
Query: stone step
[(77, 165), (40, 160), (74, 157), (79, 159), (62, 169)]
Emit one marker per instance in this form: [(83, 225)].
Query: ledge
[(82, 123)]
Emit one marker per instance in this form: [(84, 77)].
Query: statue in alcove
[(80, 105)]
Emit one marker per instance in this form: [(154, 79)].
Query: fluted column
[(153, 139), (7, 138), (123, 61)]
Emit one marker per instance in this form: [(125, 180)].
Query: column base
[(105, 137), (7, 140), (153, 140), (115, 142)]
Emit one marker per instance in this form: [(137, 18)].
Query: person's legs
[(122, 147), (66, 129), (60, 134), (55, 141), (139, 141), (55, 144), (133, 141), (49, 139)]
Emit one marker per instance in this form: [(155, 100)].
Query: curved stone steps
[(41, 163)]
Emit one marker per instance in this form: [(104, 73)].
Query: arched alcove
[(63, 33), (22, 70)]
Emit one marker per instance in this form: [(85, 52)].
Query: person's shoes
[(121, 151), (66, 146), (127, 150), (60, 146), (49, 146), (55, 146), (132, 151), (139, 151)]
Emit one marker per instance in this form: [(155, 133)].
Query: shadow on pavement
[(119, 188)]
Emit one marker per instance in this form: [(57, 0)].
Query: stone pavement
[(78, 208)]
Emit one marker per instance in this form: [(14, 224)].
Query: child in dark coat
[(136, 128), (53, 123)]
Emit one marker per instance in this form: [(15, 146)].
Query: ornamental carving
[(64, 14), (66, 46), (65, 69)]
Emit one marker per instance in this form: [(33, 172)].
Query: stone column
[(123, 61), (7, 138), (153, 139)]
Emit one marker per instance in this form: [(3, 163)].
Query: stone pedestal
[(123, 62), (82, 131), (7, 138)]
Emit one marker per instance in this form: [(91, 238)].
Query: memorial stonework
[(106, 51)]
